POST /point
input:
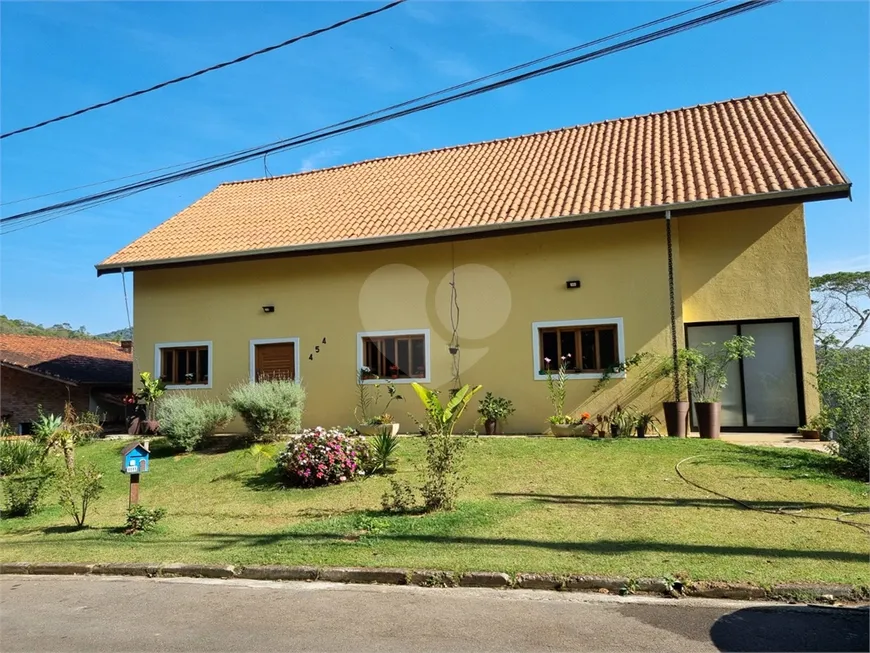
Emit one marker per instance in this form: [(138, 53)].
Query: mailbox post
[(134, 461)]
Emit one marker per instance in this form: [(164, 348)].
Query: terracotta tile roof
[(712, 153), (70, 359)]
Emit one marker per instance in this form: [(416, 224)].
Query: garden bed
[(536, 505)]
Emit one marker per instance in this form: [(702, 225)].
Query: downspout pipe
[(674, 352)]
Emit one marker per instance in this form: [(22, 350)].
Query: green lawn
[(534, 505)]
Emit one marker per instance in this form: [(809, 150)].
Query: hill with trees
[(64, 330)]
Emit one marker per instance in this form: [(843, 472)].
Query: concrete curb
[(800, 592)]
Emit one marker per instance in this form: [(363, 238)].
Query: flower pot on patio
[(377, 429), (562, 430), (676, 418), (709, 414), (810, 434)]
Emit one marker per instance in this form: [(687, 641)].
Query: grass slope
[(535, 505)]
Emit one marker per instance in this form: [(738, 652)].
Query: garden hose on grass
[(864, 528)]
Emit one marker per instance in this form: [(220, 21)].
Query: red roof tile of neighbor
[(69, 359), (726, 152)]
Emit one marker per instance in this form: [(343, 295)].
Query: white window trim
[(401, 332), (252, 356), (192, 343), (598, 321)]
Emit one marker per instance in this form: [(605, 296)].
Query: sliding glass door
[(764, 393)]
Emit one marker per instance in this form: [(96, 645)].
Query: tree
[(841, 307)]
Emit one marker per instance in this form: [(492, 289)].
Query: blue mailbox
[(134, 458)]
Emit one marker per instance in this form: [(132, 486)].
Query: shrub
[(22, 491), (185, 421), (269, 408), (17, 455), (63, 433), (442, 479), (399, 498), (91, 424), (844, 386), (321, 457), (78, 489), (141, 519)]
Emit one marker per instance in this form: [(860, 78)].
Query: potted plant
[(676, 412), (188, 378), (560, 424), (621, 420), (602, 425), (817, 428), (643, 422), (372, 419), (583, 426), (494, 410), (566, 425), (707, 367)]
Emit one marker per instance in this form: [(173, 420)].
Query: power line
[(357, 123), (442, 91), (203, 71), (354, 124)]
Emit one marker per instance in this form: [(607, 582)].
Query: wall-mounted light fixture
[(269, 308), (572, 283)]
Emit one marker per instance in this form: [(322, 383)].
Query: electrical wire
[(449, 89), (864, 528), (355, 123), (204, 71)]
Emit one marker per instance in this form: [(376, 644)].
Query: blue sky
[(58, 57)]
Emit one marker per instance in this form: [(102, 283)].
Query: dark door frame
[(799, 374)]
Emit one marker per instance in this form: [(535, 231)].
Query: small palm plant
[(260, 452), (383, 448)]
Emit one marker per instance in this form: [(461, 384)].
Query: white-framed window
[(401, 356), (590, 346), (184, 365), (274, 358)]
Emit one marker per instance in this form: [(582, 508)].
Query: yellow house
[(473, 264)]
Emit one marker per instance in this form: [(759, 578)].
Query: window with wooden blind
[(588, 348), (184, 363), (395, 355), (274, 359)]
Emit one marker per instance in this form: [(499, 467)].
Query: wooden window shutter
[(276, 360)]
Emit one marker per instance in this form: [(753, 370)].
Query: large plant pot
[(676, 418), (491, 426), (709, 414), (562, 430), (377, 429)]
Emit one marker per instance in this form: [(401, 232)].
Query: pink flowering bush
[(321, 457)]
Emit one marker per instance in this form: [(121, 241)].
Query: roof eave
[(816, 193), (44, 375)]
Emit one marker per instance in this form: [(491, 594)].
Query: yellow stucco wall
[(750, 265), (504, 285)]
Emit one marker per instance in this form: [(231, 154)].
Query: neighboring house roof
[(68, 359), (709, 155)]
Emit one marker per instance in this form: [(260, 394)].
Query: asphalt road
[(92, 614)]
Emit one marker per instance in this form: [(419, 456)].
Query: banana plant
[(443, 418)]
